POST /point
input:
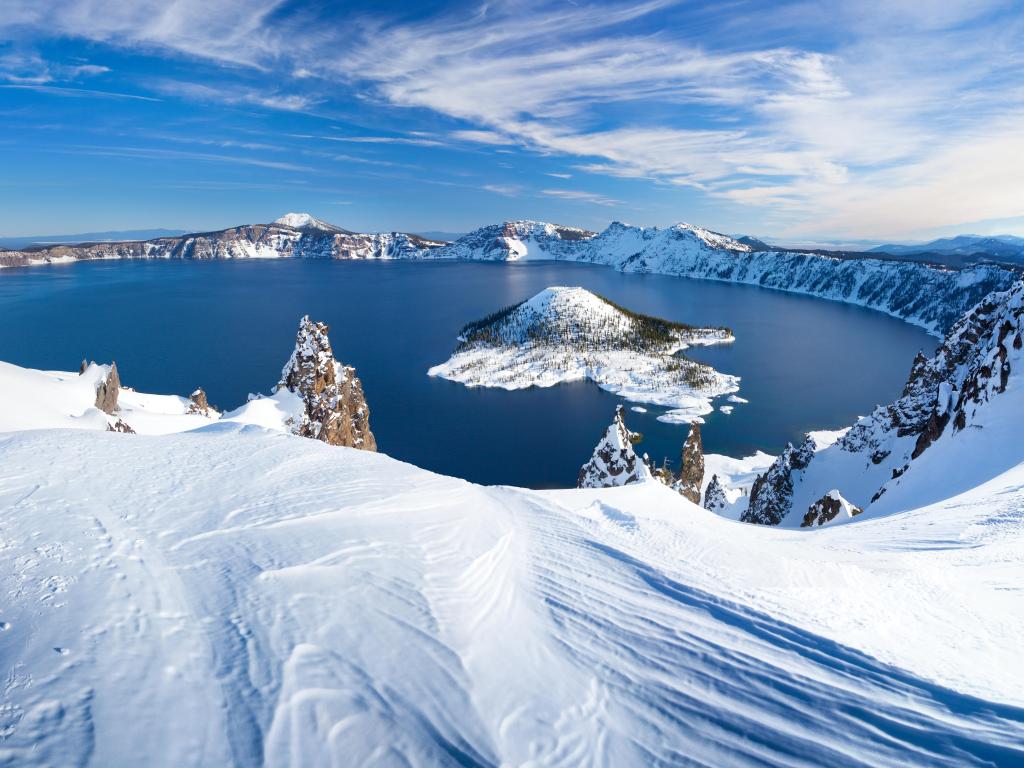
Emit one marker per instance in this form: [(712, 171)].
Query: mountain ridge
[(932, 296)]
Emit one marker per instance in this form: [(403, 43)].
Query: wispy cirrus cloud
[(578, 195), (803, 115), (234, 95)]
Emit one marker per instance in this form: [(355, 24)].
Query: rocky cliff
[(335, 409), (929, 295), (614, 461), (957, 422)]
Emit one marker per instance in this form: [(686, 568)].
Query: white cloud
[(909, 104), (559, 175), (235, 95), (580, 196), (507, 190), (482, 137)]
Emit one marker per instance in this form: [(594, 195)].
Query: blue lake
[(229, 327)]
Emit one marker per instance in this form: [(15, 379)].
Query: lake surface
[(229, 326)]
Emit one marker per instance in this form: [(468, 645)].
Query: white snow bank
[(250, 598)]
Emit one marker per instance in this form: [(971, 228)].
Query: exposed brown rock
[(335, 406), (120, 426), (198, 403), (691, 466), (107, 391)]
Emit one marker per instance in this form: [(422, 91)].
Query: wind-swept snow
[(234, 595), (570, 334)]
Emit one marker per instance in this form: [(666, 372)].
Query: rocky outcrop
[(691, 466), (198, 403), (828, 508), (614, 461), (335, 409), (714, 496), (107, 391), (771, 496), (120, 426)]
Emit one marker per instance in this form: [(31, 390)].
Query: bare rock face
[(107, 391), (614, 461), (691, 466), (198, 403), (828, 508), (771, 496), (335, 407), (714, 496)]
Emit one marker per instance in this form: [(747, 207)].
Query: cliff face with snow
[(295, 235), (926, 295), (956, 424), (570, 334)]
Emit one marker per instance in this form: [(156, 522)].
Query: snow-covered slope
[(923, 294), (307, 220), (957, 425), (233, 596), (570, 334), (295, 235), (516, 240)]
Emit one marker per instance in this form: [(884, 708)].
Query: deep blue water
[(229, 327)]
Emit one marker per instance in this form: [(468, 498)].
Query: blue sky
[(806, 121)]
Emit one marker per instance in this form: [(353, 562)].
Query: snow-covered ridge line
[(929, 296), (570, 334), (295, 235)]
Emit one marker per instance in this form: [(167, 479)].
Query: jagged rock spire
[(715, 499), (107, 391), (691, 466), (335, 407), (198, 403), (614, 461)]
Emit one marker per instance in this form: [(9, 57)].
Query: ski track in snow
[(238, 596)]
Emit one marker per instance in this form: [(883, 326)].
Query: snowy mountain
[(307, 221), (516, 240), (956, 426), (996, 247), (926, 295), (570, 334), (295, 235)]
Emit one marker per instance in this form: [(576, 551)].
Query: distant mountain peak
[(305, 221)]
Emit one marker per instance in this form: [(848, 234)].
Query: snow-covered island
[(570, 334)]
